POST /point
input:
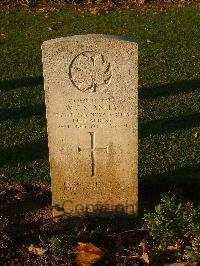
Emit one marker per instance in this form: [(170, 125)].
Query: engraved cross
[(92, 150)]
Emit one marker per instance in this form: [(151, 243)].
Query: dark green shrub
[(175, 226)]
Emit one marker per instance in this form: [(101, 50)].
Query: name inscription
[(95, 113)]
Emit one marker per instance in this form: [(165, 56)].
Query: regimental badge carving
[(90, 71)]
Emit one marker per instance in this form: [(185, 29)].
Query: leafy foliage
[(59, 249), (175, 226)]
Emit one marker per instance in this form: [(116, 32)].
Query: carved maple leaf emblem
[(88, 71)]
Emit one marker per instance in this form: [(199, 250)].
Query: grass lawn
[(169, 130), (169, 99)]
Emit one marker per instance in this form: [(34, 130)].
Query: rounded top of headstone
[(89, 37)]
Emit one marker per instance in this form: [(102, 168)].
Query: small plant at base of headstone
[(174, 229), (59, 249)]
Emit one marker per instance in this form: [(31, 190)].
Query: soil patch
[(24, 210), (26, 220)]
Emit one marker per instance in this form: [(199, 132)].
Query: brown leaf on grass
[(143, 246), (196, 135), (39, 251), (3, 35), (144, 257), (50, 28), (149, 41), (41, 10), (180, 5), (172, 248), (140, 2), (2, 193), (177, 246), (93, 10), (46, 9), (87, 254)]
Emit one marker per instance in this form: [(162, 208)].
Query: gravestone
[(91, 104)]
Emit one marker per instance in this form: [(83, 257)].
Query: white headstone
[(91, 94)]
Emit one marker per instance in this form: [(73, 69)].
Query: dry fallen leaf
[(87, 254), (177, 246), (41, 10), (197, 136), (3, 35), (144, 257), (180, 5), (140, 2), (36, 250), (50, 28), (93, 11), (143, 246), (149, 41), (172, 248)]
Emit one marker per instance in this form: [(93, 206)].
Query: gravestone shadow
[(24, 153), (169, 125), (23, 112), (7, 85), (150, 187), (182, 182), (185, 86)]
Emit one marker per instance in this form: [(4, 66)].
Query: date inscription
[(95, 113)]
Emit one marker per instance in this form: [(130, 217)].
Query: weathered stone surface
[(91, 102)]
